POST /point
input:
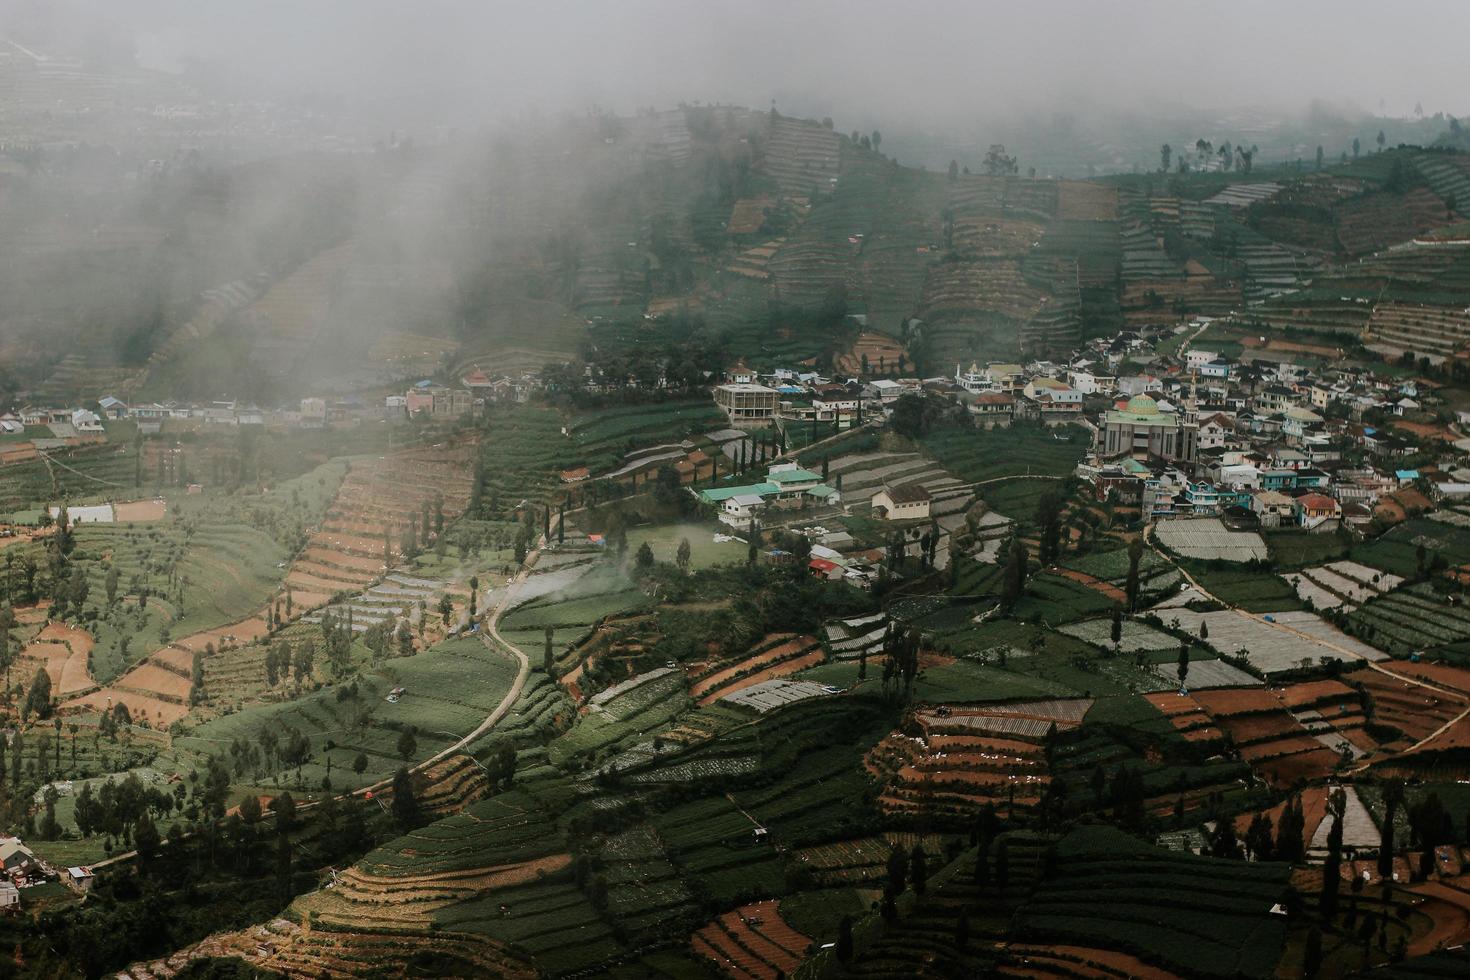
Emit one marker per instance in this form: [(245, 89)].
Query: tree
[(1165, 152), (1312, 956), (145, 841), (1183, 665), (360, 763), (1319, 156), (1048, 518), (683, 555), (405, 807), (1393, 795), (38, 699), (954, 171), (1381, 140), (1357, 147), (1332, 867), (250, 810), (644, 558), (1130, 590), (919, 868), (407, 744), (1116, 634), (898, 870), (844, 940), (1014, 583), (998, 163)]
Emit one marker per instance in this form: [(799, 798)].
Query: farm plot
[(751, 942), (1267, 736), (772, 694), (1341, 584), (603, 437), (1136, 636), (861, 860), (708, 546), (449, 690), (624, 718), (1198, 916), (1209, 539), (1292, 640), (1017, 451), (1411, 618), (64, 652), (776, 655), (952, 770), (848, 639)]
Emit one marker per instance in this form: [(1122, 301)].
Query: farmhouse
[(82, 878), (14, 855), (9, 896), (904, 503)]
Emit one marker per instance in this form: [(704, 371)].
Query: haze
[(458, 63)]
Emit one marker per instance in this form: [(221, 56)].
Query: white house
[(910, 502), (86, 420)]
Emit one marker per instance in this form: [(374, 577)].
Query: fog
[(457, 62), (200, 197)]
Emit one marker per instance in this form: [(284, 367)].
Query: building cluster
[(789, 397), (1257, 439)]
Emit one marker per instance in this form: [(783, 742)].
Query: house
[(477, 381), (1088, 383), (14, 855), (9, 896), (81, 878), (1272, 507), (1003, 375), (112, 408), (314, 411), (740, 374), (1196, 359), (993, 408), (1145, 384), (1218, 368), (887, 389), (1313, 510), (86, 421), (910, 502), (826, 569), (1214, 430), (1048, 398), (973, 380), (748, 405), (1202, 499)]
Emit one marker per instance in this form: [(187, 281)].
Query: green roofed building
[(787, 486), (1139, 426)]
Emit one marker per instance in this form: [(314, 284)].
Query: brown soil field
[(152, 678), (778, 670), (242, 632), (159, 714), (786, 649), (1233, 701), (139, 511), (1286, 771), (1106, 588), (63, 651)]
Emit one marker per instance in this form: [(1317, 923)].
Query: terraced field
[(1158, 907)]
